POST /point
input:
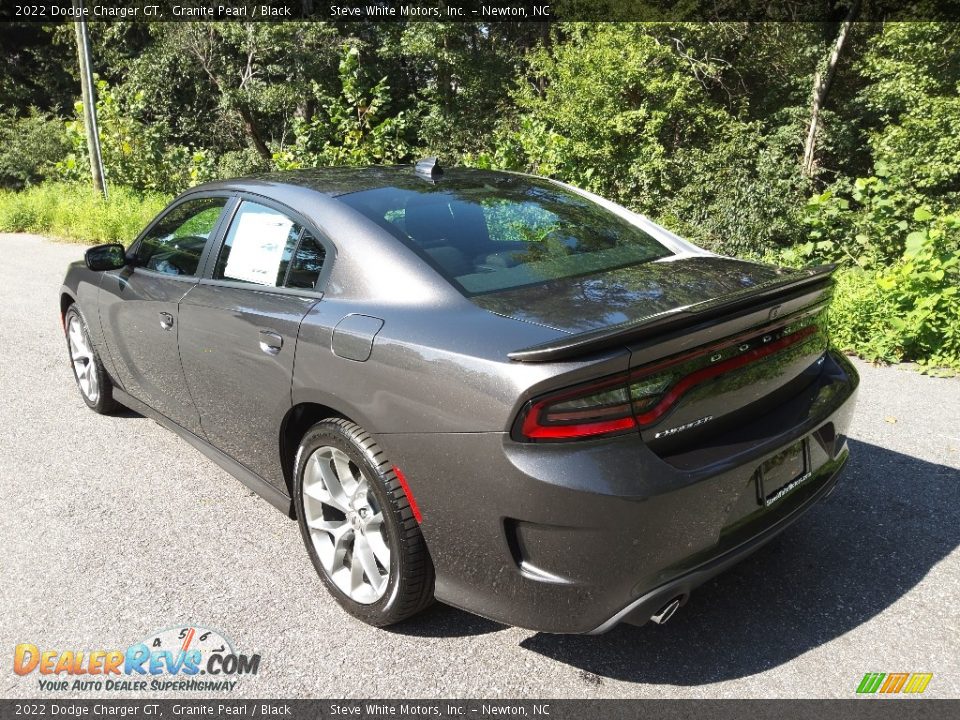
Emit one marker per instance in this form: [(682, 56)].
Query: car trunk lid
[(617, 298), (713, 341)]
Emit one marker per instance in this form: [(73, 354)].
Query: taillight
[(639, 398), (597, 409)]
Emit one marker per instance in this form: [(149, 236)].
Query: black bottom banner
[(854, 709)]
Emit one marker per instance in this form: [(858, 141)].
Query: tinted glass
[(500, 235), (175, 244), (258, 246), (307, 263)]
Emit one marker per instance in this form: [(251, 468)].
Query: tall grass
[(78, 214)]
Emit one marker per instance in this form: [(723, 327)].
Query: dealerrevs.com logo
[(894, 683), (188, 658)]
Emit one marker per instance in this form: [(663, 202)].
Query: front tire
[(92, 379), (357, 524)]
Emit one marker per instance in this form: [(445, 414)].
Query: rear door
[(139, 305), (238, 331)]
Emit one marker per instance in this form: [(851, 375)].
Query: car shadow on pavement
[(441, 620), (126, 413), (890, 520)]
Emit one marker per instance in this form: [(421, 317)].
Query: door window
[(307, 263), (174, 245), (263, 245)]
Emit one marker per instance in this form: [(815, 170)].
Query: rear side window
[(488, 236), (174, 245), (264, 246), (307, 263)]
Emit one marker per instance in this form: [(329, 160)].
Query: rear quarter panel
[(432, 369)]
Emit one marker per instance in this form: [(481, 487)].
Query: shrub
[(865, 222), (30, 148), (861, 318), (76, 213), (923, 287), (900, 298), (237, 163), (136, 154), (737, 197)]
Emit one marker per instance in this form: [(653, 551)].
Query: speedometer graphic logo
[(191, 637)]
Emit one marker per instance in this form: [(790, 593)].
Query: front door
[(139, 307), (238, 333)]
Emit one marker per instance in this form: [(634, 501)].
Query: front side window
[(264, 246), (174, 245)]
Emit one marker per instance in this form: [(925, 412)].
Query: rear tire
[(94, 384), (357, 524)]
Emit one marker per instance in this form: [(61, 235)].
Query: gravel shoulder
[(113, 528)]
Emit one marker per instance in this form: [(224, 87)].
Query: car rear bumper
[(576, 537), (643, 608)]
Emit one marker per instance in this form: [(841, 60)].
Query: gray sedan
[(489, 388)]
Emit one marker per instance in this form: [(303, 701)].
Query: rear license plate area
[(783, 473)]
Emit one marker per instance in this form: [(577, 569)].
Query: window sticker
[(257, 247)]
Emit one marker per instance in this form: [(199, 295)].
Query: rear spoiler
[(676, 319)]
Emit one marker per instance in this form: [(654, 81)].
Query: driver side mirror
[(105, 257)]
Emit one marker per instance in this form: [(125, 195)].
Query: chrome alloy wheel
[(81, 354), (346, 525)]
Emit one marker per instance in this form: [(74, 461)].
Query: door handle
[(166, 320), (270, 342)]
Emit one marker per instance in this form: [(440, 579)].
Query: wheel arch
[(66, 300), (300, 418)]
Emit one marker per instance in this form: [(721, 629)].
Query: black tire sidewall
[(333, 434)]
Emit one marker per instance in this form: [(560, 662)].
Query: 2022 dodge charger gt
[(487, 387)]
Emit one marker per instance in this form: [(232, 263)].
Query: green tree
[(353, 126)]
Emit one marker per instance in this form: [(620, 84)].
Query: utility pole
[(89, 100)]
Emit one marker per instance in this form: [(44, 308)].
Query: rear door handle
[(166, 320), (270, 342)]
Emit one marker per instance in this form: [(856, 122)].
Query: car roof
[(334, 181)]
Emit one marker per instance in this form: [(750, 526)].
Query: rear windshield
[(507, 233)]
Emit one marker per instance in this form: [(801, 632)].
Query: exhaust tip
[(666, 612)]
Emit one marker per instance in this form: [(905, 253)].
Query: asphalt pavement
[(113, 528)]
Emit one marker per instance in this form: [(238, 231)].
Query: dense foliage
[(700, 126)]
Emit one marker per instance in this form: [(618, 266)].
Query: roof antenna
[(429, 168)]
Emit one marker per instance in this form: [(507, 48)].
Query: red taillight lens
[(604, 408), (588, 411), (640, 398)]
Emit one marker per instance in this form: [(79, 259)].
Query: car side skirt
[(275, 497)]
